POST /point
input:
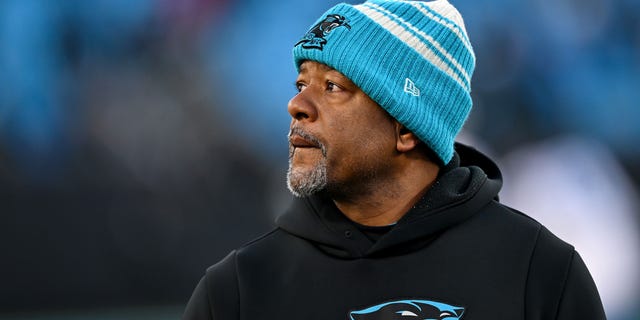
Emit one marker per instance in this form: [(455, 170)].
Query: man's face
[(340, 139)]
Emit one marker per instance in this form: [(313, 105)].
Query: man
[(393, 220)]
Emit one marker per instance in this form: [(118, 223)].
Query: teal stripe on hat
[(432, 15), (429, 31), (461, 31), (432, 23)]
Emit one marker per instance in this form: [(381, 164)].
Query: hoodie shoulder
[(217, 294), (558, 284), (264, 244)]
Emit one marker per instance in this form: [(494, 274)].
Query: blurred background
[(140, 141)]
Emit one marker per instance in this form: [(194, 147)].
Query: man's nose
[(302, 106)]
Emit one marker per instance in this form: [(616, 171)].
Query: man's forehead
[(304, 67), (318, 66)]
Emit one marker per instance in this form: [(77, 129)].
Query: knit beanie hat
[(411, 57)]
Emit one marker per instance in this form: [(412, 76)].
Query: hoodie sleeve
[(216, 295), (580, 299), (198, 306)]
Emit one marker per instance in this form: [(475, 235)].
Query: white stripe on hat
[(441, 9), (380, 16)]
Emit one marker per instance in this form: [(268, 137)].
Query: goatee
[(301, 182)]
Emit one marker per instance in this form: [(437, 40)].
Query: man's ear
[(405, 139)]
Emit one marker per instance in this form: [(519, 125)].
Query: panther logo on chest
[(408, 310)]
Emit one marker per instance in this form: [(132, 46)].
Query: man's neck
[(387, 201)]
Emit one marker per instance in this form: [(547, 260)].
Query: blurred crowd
[(142, 140)]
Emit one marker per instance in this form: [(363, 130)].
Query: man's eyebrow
[(304, 65)]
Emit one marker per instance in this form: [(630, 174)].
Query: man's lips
[(300, 142)]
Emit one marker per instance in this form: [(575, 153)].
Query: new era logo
[(410, 88)]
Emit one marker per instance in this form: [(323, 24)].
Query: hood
[(470, 181)]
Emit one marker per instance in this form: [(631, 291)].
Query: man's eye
[(300, 86), (332, 86)]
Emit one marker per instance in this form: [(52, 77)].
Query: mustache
[(297, 131)]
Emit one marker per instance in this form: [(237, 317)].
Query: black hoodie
[(457, 254)]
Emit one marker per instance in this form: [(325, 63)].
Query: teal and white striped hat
[(413, 58)]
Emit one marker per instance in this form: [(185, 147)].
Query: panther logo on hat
[(315, 38)]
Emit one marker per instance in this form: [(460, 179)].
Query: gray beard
[(305, 183)]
